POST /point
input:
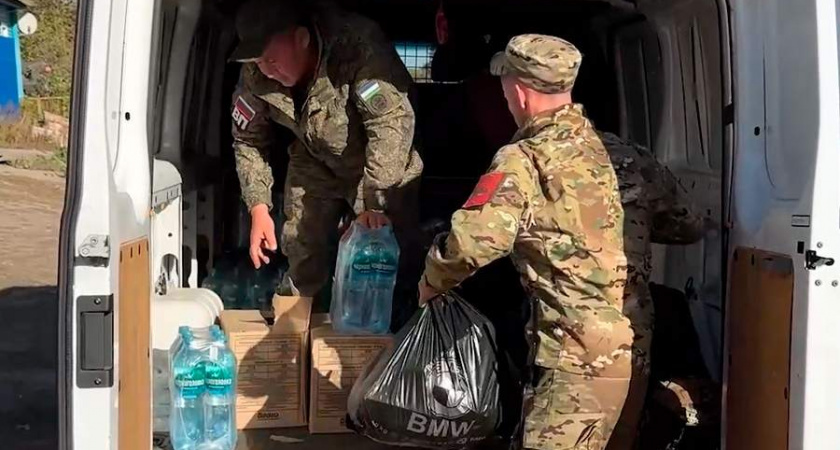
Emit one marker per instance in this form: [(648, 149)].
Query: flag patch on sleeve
[(374, 97), (368, 90), (486, 188), (242, 114)]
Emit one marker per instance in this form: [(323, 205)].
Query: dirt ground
[(30, 211), (31, 203)]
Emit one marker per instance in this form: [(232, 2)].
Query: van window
[(417, 57)]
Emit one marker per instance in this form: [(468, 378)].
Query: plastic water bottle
[(366, 273), (187, 416), (219, 412), (384, 279), (357, 304)]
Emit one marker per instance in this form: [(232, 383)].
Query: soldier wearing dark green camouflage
[(577, 220), (657, 209), (353, 121)]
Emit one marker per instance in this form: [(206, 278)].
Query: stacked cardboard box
[(272, 363), (274, 366), (337, 361)]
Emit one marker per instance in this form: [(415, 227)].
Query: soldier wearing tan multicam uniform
[(551, 201), (335, 80)]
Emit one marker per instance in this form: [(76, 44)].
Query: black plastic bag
[(438, 388), (509, 312)]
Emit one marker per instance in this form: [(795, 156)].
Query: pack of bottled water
[(203, 390), (365, 276), (240, 285)]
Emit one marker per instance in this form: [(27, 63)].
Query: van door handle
[(95, 341), (813, 260)]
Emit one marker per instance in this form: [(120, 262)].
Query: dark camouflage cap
[(258, 20), (546, 63)]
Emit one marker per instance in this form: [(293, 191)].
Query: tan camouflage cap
[(546, 63)]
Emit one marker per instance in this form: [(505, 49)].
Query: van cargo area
[(654, 72)]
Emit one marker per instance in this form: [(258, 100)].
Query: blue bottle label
[(385, 266), (362, 266), (219, 379), (189, 381), (374, 259)]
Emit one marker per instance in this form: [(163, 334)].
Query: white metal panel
[(822, 391), (113, 75), (167, 227), (786, 164), (190, 239), (94, 409), (113, 202)]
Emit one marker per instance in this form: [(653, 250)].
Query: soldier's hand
[(262, 235), (373, 220)]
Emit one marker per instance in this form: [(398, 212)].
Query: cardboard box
[(272, 363), (337, 361)]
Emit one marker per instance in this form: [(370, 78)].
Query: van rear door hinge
[(95, 246), (813, 260)]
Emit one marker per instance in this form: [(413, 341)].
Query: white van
[(741, 98)]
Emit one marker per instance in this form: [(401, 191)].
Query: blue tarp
[(11, 80)]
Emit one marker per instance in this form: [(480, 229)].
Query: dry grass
[(55, 161), (17, 133), (16, 127)]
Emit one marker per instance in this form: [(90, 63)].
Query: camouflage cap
[(258, 20), (546, 63)]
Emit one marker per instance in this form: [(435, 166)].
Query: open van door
[(782, 334), (104, 274)]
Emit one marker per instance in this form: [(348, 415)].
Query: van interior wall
[(680, 115), (651, 73)]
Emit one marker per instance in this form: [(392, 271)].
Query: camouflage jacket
[(551, 201), (656, 209), (354, 129)]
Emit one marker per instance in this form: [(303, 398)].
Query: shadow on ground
[(28, 360)]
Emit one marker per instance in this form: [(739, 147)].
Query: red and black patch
[(486, 188), (242, 114)]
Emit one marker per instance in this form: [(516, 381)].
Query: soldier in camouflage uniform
[(333, 79), (656, 209), (551, 201)]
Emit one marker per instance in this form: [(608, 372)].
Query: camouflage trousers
[(573, 412), (312, 230)]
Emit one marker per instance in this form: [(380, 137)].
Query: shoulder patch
[(242, 113), (371, 94), (368, 89), (486, 188)]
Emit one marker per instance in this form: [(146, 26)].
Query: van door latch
[(813, 260)]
